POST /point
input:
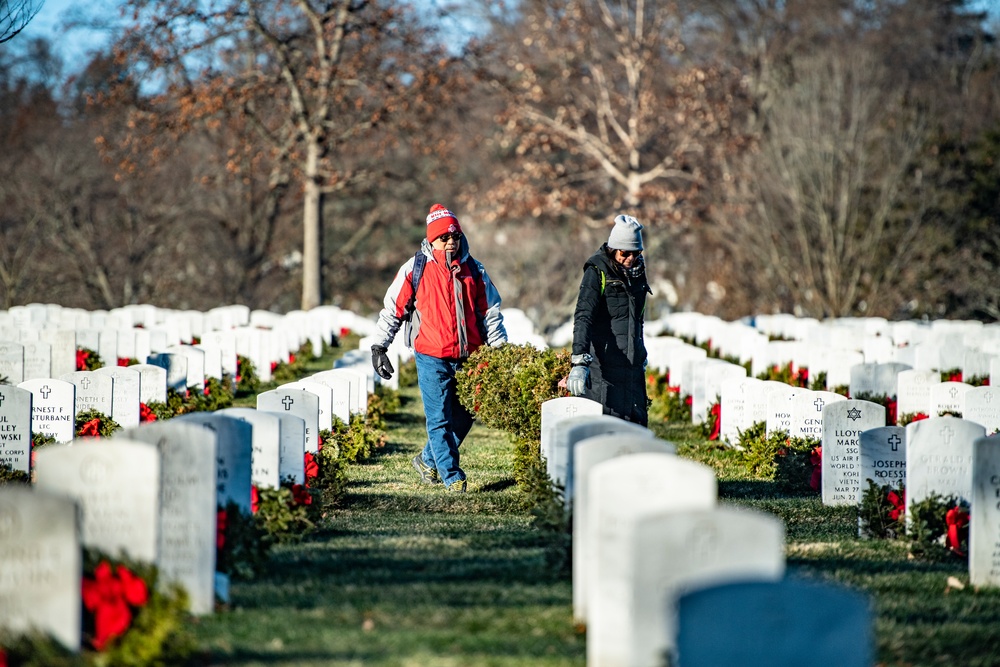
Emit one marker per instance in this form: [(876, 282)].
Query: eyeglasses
[(444, 238), (629, 253)]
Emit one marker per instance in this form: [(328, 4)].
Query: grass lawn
[(407, 575)]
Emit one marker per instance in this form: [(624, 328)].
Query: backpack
[(412, 326)]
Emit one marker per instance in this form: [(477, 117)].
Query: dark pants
[(622, 392)]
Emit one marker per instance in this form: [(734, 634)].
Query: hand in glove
[(578, 381), (380, 360)]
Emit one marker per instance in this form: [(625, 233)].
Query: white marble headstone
[(266, 440), (587, 453), (883, 457), (53, 411), (669, 553), (622, 490), (914, 391), (42, 564), (299, 402), (125, 394), (15, 428), (843, 424), (939, 458), (555, 410), (117, 484), (982, 405), (234, 452), (984, 520), (187, 521)]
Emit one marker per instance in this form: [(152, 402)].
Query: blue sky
[(80, 44)]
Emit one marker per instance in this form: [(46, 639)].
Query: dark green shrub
[(790, 462), (506, 386), (880, 512), (286, 514), (928, 529)]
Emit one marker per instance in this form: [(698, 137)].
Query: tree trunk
[(311, 227)]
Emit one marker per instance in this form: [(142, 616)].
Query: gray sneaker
[(428, 475), (457, 486)]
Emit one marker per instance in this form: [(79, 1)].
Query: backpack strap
[(419, 261)]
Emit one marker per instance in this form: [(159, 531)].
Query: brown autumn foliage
[(817, 157)]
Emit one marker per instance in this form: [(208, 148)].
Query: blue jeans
[(448, 422)]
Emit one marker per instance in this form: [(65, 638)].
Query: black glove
[(380, 360)]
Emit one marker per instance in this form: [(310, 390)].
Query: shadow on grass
[(404, 419), (754, 489), (501, 485)]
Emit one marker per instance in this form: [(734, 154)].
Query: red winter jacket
[(437, 322)]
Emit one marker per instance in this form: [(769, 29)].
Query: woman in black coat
[(609, 355)]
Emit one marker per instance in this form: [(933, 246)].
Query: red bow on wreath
[(898, 504), (254, 498), (146, 414), (816, 458), (220, 529), (109, 597), (312, 468), (300, 496), (716, 413), (91, 428), (956, 519)]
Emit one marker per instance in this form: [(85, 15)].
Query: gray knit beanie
[(626, 234)]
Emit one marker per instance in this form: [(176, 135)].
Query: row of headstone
[(151, 493), (41, 341), (835, 346), (646, 530)]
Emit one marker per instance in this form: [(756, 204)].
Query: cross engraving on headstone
[(288, 401), (45, 391), (953, 392), (572, 410), (85, 383), (819, 403), (895, 441), (1, 399), (988, 397), (946, 434)]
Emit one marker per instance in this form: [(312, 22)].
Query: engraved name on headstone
[(15, 428), (53, 411), (843, 424)]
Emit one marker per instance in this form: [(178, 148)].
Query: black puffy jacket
[(608, 325)]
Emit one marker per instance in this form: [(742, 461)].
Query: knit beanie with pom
[(441, 221)]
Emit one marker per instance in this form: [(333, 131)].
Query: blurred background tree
[(819, 157)]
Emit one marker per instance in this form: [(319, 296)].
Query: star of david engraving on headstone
[(288, 401), (819, 403), (85, 383), (854, 414), (953, 392), (45, 391), (946, 434), (895, 441)]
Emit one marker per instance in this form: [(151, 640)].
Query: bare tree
[(309, 79), (606, 110), (828, 212), (15, 15)]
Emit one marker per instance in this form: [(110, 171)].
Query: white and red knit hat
[(441, 221)]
